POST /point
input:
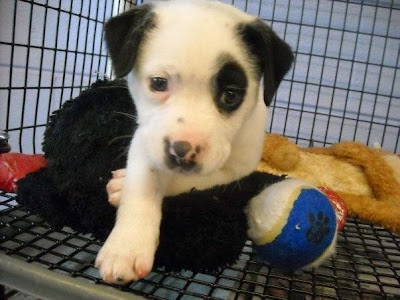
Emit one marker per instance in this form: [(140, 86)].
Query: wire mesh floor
[(367, 264)]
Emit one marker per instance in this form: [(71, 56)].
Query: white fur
[(190, 36)]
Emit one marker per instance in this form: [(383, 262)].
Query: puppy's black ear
[(124, 34), (273, 56)]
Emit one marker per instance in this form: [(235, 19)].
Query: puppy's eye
[(158, 84), (232, 97)]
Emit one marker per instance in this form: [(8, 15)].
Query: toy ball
[(303, 233)]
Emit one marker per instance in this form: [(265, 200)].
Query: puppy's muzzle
[(182, 155)]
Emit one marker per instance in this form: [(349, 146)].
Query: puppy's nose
[(181, 148), (181, 154)]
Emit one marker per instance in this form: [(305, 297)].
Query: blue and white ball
[(293, 225)]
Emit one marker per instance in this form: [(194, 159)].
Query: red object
[(338, 205), (14, 166)]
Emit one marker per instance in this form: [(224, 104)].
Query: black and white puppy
[(201, 74)]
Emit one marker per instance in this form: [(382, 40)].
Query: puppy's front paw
[(126, 257)]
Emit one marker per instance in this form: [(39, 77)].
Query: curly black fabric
[(85, 140)]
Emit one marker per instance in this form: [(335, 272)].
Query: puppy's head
[(194, 70)]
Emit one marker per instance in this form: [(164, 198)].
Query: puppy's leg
[(114, 187), (128, 252)]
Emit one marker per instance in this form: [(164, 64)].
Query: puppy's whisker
[(121, 137), (130, 116), (238, 184)]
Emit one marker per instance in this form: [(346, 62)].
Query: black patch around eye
[(229, 87)]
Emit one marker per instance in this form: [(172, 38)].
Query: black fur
[(84, 142), (124, 35), (230, 78), (273, 57)]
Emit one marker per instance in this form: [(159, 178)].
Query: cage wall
[(341, 87), (50, 51)]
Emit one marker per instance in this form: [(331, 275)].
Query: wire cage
[(344, 85)]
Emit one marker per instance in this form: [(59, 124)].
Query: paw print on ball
[(319, 227)]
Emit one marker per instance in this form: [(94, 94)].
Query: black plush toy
[(200, 230), (86, 140)]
